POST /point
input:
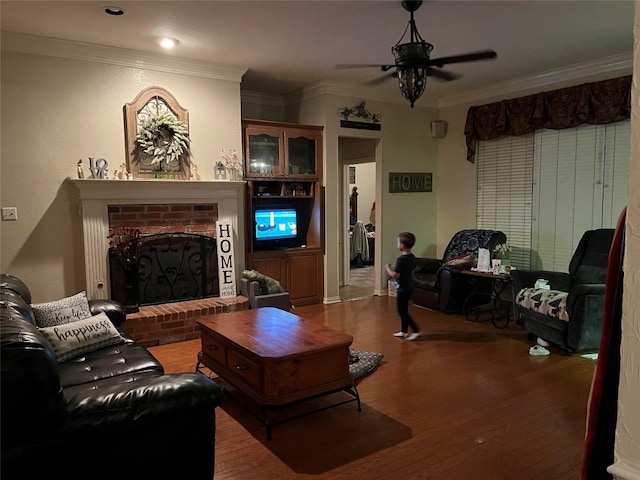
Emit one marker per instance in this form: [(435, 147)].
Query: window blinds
[(505, 177), (544, 190)]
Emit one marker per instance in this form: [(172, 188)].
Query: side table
[(490, 288)]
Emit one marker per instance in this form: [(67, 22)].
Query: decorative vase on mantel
[(234, 175)]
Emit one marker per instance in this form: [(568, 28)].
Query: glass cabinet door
[(264, 153), (301, 156)]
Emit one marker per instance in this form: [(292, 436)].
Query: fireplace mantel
[(96, 196)]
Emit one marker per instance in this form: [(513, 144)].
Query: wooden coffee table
[(276, 358)]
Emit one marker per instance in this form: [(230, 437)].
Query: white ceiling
[(286, 45)]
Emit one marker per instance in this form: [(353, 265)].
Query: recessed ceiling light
[(168, 42), (112, 10)]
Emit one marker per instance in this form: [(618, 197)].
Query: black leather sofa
[(110, 413)]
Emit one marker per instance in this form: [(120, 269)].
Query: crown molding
[(601, 69), (258, 98), (53, 47)]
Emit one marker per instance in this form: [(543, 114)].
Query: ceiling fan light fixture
[(412, 76), (413, 62), (405, 53), (412, 82), (410, 58)]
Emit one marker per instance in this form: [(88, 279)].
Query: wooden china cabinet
[(283, 168)]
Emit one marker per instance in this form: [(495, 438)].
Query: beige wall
[(405, 145), (262, 107), (627, 447), (56, 111), (456, 179)]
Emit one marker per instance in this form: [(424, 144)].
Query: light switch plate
[(9, 213)]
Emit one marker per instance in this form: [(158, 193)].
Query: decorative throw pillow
[(82, 336), (467, 260), (363, 363), (268, 285), (69, 309)]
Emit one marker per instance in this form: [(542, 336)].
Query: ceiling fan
[(412, 63)]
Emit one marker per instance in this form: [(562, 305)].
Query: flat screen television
[(276, 227)]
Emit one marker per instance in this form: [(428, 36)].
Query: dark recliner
[(441, 286), (569, 315)]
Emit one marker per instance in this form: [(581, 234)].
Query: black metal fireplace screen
[(168, 267)]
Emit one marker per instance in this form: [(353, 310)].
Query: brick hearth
[(176, 322)]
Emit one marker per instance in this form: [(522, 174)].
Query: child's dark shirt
[(405, 264)]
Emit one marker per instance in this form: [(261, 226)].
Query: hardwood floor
[(361, 284), (466, 401)]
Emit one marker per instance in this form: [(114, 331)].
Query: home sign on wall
[(404, 182)]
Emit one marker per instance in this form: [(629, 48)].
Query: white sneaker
[(538, 350), (401, 335), (542, 342), (414, 336)]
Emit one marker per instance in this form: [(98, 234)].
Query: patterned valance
[(602, 102)]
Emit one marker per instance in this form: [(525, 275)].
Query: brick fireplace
[(166, 218), (161, 206)]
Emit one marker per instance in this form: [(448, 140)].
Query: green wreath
[(164, 138)]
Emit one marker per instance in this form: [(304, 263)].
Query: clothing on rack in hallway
[(359, 244)]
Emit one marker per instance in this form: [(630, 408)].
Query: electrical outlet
[(9, 213)]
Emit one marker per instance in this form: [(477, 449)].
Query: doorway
[(358, 164)]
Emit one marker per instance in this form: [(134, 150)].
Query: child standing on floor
[(402, 275)]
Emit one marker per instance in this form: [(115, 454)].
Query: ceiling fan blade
[(442, 74), (382, 79), (467, 57), (344, 66)]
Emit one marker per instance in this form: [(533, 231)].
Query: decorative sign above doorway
[(371, 120)]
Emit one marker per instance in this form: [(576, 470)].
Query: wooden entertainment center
[(283, 168)]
